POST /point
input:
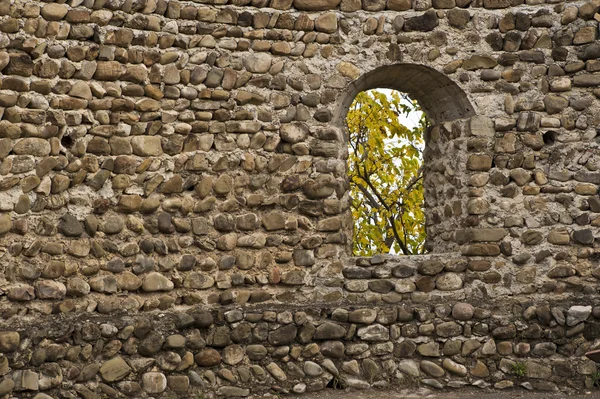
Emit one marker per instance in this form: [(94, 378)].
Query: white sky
[(411, 120)]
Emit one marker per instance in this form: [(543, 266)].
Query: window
[(433, 213), (385, 168)]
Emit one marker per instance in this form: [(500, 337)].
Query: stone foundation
[(391, 322)]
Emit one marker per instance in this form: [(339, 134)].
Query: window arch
[(440, 98)]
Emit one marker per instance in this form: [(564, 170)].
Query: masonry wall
[(174, 199)]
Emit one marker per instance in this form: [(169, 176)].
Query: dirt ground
[(430, 394)]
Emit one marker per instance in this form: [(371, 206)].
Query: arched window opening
[(385, 169), (434, 195)]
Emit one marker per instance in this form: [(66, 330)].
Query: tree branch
[(404, 229), (373, 202), (390, 218)]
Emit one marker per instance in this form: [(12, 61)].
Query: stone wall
[(174, 200)]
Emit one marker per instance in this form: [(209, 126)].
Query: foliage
[(519, 369), (596, 379), (338, 382), (386, 177)]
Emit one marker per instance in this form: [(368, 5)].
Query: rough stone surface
[(175, 218)]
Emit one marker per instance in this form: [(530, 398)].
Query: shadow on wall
[(440, 98)]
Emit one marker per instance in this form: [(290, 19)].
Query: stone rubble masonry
[(174, 209)]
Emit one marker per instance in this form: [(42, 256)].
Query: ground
[(426, 393)]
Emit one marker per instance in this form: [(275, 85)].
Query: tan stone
[(481, 126), (587, 34), (114, 369), (479, 162), (128, 281), (316, 5), (506, 144), (281, 4), (479, 62), (208, 358), (32, 146), (4, 59), (326, 22), (54, 11), (586, 189), (109, 70), (9, 341), (481, 250), (350, 5), (223, 185), (156, 282), (559, 236), (81, 90), (147, 105), (399, 5), (480, 370), (154, 382), (5, 223), (349, 70), (455, 368), (257, 63), (146, 146), (19, 64)]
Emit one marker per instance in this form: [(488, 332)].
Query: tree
[(386, 175)]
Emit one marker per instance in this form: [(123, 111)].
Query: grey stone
[(375, 332), (432, 369), (578, 314)]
